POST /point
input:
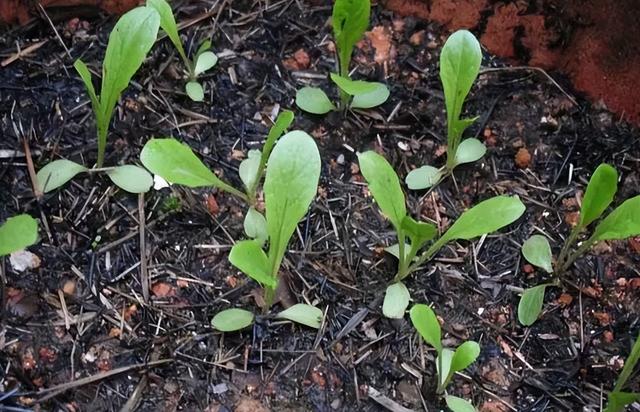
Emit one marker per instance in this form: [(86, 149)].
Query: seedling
[(177, 164), (448, 361), (17, 233), (486, 217), (350, 19), (290, 185), (129, 43), (203, 60), (622, 223), (617, 399), (459, 67)]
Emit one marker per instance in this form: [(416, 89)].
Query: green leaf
[(204, 46), (395, 250), (374, 98), (131, 178), (629, 366), (282, 123), (56, 174), (350, 19), (85, 75), (465, 355), (444, 359), (175, 162), (168, 24), (426, 323), (622, 223), (485, 217), (304, 314), (530, 304), (384, 185), (459, 66), (423, 177), (618, 401), (129, 42), (255, 226), (601, 189), (418, 232), (537, 251), (352, 87), (291, 183), (194, 91), (248, 169), (458, 404), (232, 319), (469, 150), (396, 301), (313, 100), (17, 233), (205, 61), (248, 256)]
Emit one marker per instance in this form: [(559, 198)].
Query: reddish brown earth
[(596, 43), (12, 11)]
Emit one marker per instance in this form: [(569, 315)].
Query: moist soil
[(78, 335)]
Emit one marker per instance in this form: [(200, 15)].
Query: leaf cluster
[(203, 60), (384, 185), (459, 67), (623, 222)]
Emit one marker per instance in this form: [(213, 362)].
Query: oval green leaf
[(248, 169), (17, 233), (175, 162), (290, 184), (168, 24), (374, 98), (313, 100), (469, 150), (445, 374), (485, 217), (194, 91), (530, 304), (465, 355), (418, 232), (395, 250), (396, 301), (537, 251), (304, 314), (423, 177), (458, 404), (248, 256), (350, 19), (622, 223), (230, 320), (131, 178), (426, 323), (384, 185), (255, 226), (352, 87), (56, 174), (206, 61), (459, 66), (601, 189)]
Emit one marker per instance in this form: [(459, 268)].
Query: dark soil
[(81, 314)]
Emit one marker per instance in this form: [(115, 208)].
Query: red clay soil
[(594, 42)]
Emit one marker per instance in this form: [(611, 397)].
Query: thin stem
[(230, 189), (102, 143), (402, 261), (571, 240), (426, 256), (440, 388), (575, 255), (269, 295)]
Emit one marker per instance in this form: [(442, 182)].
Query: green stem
[(230, 189), (269, 295), (426, 256), (569, 260), (571, 240), (440, 388), (102, 143)]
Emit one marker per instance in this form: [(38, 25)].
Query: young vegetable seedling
[(177, 164), (129, 42), (617, 399), (350, 19), (486, 217), (17, 233), (290, 185), (448, 361), (203, 60), (622, 223), (459, 67)]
